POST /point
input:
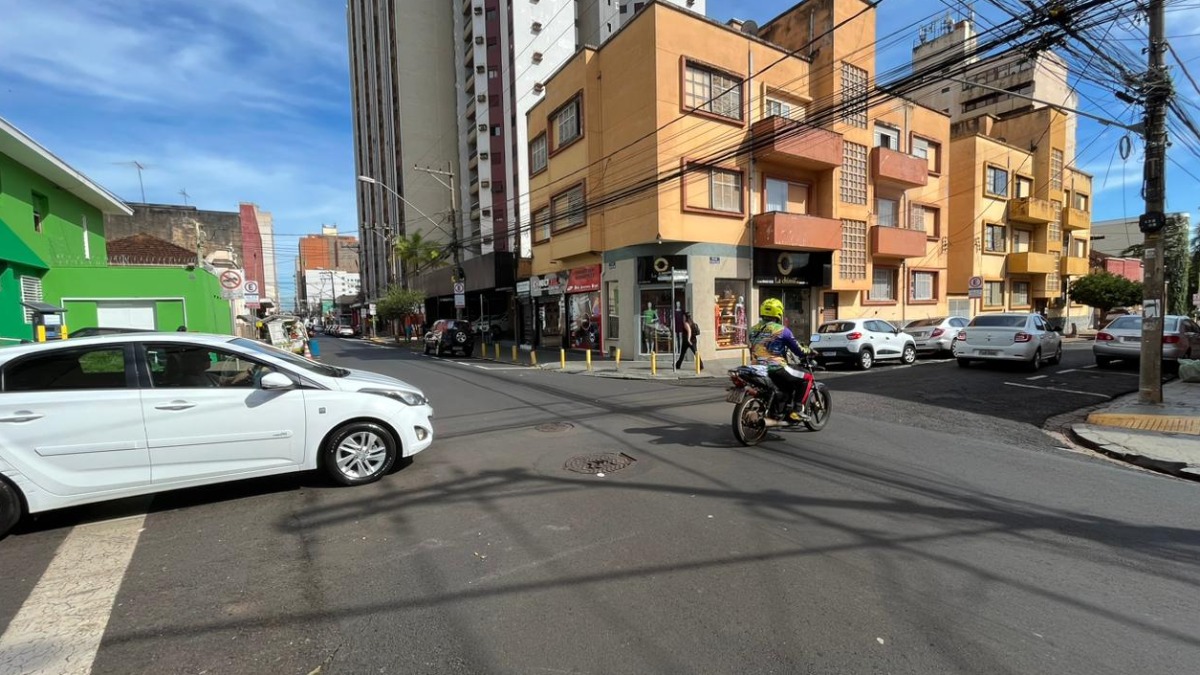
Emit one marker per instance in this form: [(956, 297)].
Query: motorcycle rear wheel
[(820, 405), (750, 421)]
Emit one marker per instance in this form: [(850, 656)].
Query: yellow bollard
[(589, 360), (514, 353), (562, 358), (497, 351), (697, 363), (745, 357), (532, 357), (618, 358), (653, 363)]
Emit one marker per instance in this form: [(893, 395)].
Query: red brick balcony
[(897, 242), (797, 232), (897, 168), (795, 144)]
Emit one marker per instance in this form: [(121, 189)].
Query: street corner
[(1173, 454)]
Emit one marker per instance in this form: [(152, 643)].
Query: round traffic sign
[(251, 287), (230, 279), (459, 288), (975, 282)]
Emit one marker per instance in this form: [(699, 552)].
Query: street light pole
[(454, 243), (1158, 92)]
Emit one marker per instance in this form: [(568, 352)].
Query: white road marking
[(1064, 372), (59, 627), (1087, 367), (1037, 377), (1065, 391)]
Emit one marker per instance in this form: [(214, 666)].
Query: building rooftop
[(143, 249), (29, 153)]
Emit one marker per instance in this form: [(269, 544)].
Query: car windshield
[(998, 322), (290, 358), (921, 323), (836, 327)]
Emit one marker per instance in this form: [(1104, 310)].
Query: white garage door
[(126, 315)]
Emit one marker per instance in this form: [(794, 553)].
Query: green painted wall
[(61, 240), (181, 297)]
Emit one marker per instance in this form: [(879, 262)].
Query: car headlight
[(405, 397)]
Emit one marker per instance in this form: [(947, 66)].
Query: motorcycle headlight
[(405, 397)]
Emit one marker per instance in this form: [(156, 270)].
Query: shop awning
[(13, 250)]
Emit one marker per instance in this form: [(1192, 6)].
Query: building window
[(725, 189), (1024, 187), (1020, 294), (887, 212), (995, 239), (566, 123), (993, 294), (1054, 280), (1056, 169), (854, 173), (775, 107), (614, 310), (887, 137), (1055, 230), (497, 130), (87, 243), (41, 208), (541, 224), (997, 182), (883, 285), (566, 210), (1078, 248), (493, 73), (712, 91), (1021, 239), (927, 218), (1079, 201), (31, 291), (786, 197), (923, 286), (929, 151), (853, 265), (537, 154), (854, 95)]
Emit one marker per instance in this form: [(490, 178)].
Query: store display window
[(730, 314)]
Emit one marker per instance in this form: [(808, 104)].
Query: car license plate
[(1130, 338), (735, 396), (987, 352), (828, 352), (922, 343)]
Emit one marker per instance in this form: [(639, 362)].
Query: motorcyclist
[(770, 341)]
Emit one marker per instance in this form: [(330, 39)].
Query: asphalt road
[(930, 528)]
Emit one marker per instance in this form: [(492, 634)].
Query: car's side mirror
[(276, 381)]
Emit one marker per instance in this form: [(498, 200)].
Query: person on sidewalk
[(770, 341), (688, 340)]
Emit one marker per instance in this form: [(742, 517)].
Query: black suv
[(450, 335)]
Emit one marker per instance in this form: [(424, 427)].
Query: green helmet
[(771, 307)]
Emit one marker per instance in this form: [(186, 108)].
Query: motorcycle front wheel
[(750, 421), (820, 405)]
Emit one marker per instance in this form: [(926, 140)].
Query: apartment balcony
[(897, 168), (797, 232), (1031, 263), (1076, 219), (1075, 267), (1031, 210), (796, 144), (897, 242)]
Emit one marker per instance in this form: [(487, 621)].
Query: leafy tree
[(1105, 290), (400, 303), (416, 252), (1178, 260)]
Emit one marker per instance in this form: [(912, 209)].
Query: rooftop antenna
[(140, 167), (183, 192)]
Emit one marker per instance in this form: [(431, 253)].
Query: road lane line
[(1087, 367), (1064, 372), (58, 628), (1065, 391), (1037, 377)]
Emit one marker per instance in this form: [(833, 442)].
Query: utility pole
[(454, 244), (1157, 87)]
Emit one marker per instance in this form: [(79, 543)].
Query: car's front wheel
[(910, 355), (359, 453), (1035, 363), (10, 507)]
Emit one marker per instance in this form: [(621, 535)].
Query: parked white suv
[(91, 419), (863, 342)]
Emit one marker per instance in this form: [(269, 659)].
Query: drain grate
[(603, 462), (554, 426)]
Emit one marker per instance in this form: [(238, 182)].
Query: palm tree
[(415, 251)]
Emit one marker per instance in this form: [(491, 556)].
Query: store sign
[(584, 279), (523, 289), (662, 269), (792, 268), (550, 284)]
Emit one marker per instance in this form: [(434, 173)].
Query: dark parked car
[(449, 336)]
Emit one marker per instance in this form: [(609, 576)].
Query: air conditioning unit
[(536, 27), (482, 98), (479, 39), (486, 213), (537, 57), (483, 127), (478, 11), (485, 184), (483, 155), (481, 69), (538, 87)]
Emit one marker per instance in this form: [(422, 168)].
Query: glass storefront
[(583, 311), (730, 316), (657, 318), (795, 307), (550, 322)]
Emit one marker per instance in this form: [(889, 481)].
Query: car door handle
[(22, 416), (176, 405)]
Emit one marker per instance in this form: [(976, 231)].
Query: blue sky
[(248, 100)]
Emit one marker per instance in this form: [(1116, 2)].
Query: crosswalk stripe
[(58, 628)]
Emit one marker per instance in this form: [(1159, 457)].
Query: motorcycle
[(760, 405)]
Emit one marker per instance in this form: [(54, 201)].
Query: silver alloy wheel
[(361, 454)]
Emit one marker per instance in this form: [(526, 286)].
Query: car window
[(997, 321), (189, 366), (290, 358), (1171, 326), (835, 327), (959, 322), (1127, 323), (880, 326), (65, 369), (1038, 324)]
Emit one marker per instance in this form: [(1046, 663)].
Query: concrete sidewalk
[(1163, 438)]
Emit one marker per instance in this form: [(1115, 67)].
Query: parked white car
[(936, 334), (863, 342), (102, 418), (1009, 337)]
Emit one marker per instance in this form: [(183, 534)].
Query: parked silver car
[(936, 334), (1009, 337), (1122, 340), (864, 341)]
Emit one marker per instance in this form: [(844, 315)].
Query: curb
[(1120, 452)]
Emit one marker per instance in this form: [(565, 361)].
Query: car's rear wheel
[(866, 359), (1036, 362), (750, 421), (359, 453), (10, 507), (909, 356)]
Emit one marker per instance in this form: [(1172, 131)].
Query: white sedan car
[(102, 418), (1009, 337)]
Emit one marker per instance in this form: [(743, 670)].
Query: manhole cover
[(554, 426), (604, 462)]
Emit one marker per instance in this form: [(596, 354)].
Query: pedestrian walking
[(691, 332)]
